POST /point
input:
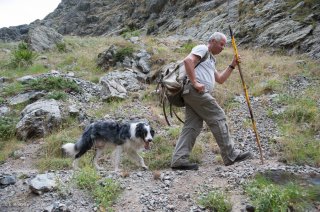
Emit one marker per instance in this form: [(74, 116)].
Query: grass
[(216, 200), (268, 196), (104, 191), (299, 124), (52, 157), (51, 83)]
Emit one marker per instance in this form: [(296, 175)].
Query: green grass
[(7, 128), (159, 157), (52, 157), (51, 83), (268, 196), (23, 56), (299, 124), (217, 201), (104, 191)]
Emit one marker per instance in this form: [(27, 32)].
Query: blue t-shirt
[(205, 71)]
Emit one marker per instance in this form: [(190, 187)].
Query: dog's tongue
[(146, 145)]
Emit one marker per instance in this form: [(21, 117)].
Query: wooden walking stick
[(246, 93)]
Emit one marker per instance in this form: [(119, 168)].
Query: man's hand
[(235, 62), (199, 87)]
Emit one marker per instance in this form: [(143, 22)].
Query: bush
[(53, 83), (7, 127), (62, 47), (123, 52), (23, 56)]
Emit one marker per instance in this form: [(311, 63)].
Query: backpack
[(172, 80)]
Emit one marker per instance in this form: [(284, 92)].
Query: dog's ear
[(140, 130)]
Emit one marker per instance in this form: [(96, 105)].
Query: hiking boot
[(240, 157), (185, 166)]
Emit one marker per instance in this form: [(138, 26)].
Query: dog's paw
[(145, 168)]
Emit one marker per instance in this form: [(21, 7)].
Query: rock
[(6, 180), (39, 119), (26, 97), (43, 183), (42, 38)]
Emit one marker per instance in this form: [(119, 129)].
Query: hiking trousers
[(199, 108)]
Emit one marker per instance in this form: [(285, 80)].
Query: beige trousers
[(199, 108)]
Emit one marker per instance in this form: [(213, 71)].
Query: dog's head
[(145, 132)]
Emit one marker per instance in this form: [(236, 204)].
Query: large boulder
[(42, 38), (39, 119)]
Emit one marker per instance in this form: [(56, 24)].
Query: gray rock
[(7, 180), (39, 119), (42, 38), (43, 183)]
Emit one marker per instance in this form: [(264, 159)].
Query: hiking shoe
[(186, 166), (240, 157)]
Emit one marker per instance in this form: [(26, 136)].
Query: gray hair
[(218, 36)]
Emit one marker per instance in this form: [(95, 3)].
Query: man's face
[(217, 46)]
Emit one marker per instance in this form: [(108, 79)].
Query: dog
[(129, 137)]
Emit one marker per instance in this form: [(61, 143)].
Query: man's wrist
[(231, 67)]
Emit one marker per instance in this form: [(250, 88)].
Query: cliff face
[(291, 25)]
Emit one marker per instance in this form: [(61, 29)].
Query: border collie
[(129, 137)]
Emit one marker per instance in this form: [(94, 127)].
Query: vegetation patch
[(268, 196), (159, 157), (124, 52), (51, 83), (216, 201), (104, 191), (299, 124), (23, 56)]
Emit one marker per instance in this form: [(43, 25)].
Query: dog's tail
[(70, 149), (77, 149)]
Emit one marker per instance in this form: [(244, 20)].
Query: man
[(201, 106)]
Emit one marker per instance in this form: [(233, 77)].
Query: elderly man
[(201, 106)]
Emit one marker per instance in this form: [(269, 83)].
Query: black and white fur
[(128, 137)]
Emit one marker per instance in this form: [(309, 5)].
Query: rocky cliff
[(292, 26)]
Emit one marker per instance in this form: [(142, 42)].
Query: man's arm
[(221, 77), (190, 62)]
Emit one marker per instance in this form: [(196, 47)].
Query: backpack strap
[(205, 57)]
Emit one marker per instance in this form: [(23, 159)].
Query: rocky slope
[(171, 190)]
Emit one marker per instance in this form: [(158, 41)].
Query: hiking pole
[(246, 92)]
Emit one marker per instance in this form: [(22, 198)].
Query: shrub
[(57, 95), (23, 56), (123, 52), (62, 47), (7, 127)]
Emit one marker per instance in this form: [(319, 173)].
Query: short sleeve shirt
[(205, 70)]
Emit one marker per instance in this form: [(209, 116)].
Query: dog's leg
[(137, 158), (117, 156), (75, 163), (96, 158)]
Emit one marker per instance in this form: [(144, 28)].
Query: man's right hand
[(199, 87)]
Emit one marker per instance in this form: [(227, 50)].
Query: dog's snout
[(149, 140)]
